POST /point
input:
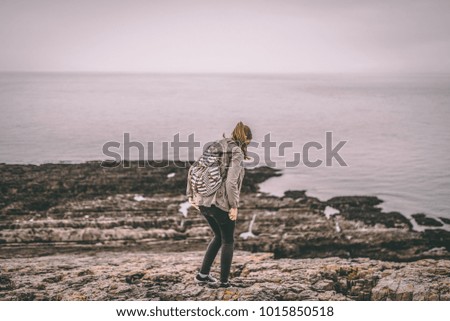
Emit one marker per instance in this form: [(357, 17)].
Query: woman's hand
[(232, 214), (193, 204)]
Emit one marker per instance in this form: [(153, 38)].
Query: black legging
[(223, 228)]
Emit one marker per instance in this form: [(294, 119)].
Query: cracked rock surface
[(255, 276)]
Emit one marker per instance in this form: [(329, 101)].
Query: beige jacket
[(227, 196)]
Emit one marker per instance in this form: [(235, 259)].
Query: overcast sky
[(225, 35)]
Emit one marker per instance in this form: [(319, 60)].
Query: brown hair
[(241, 134)]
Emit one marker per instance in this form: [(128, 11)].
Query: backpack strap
[(229, 144)]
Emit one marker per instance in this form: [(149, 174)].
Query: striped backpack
[(208, 172)]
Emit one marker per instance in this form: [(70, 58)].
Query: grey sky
[(225, 36)]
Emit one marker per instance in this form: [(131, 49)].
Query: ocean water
[(396, 127)]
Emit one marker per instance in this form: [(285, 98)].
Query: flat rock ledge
[(256, 276)]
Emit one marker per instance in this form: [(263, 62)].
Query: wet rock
[(437, 238), (363, 209), (424, 220), (445, 220), (296, 195)]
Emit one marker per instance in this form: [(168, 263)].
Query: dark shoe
[(220, 285), (207, 279), (225, 285)]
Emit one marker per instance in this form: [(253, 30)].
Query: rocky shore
[(86, 232), (256, 276)]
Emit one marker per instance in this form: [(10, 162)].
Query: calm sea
[(396, 126)]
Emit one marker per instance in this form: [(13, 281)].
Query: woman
[(221, 208)]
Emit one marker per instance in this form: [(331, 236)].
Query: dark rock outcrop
[(37, 188), (445, 220), (424, 220), (85, 207)]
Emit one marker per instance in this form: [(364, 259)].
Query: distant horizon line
[(225, 73)]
